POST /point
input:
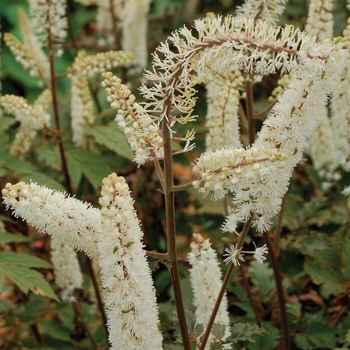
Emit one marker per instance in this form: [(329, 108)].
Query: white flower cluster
[(320, 19), (255, 46), (236, 170), (49, 16), (206, 280), (66, 268), (322, 148), (340, 107), (52, 212), (31, 117), (82, 107), (107, 17), (128, 290), (27, 58), (25, 133), (141, 130), (32, 44), (134, 23), (222, 112), (286, 129), (268, 10)]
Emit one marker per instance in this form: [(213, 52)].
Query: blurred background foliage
[(314, 249)]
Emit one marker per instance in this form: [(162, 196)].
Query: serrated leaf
[(315, 334), (74, 170), (6, 237), (19, 166), (245, 332), (44, 180), (324, 274), (91, 165), (49, 155), (23, 260), (111, 137), (262, 277), (218, 330), (27, 279), (190, 320), (268, 341)]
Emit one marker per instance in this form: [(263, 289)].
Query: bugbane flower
[(134, 23), (53, 212), (49, 16), (129, 295), (222, 112), (233, 255), (259, 253), (82, 106), (268, 10), (206, 280), (66, 269)]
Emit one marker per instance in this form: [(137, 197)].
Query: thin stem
[(279, 227), (160, 173), (97, 292), (265, 110), (70, 27), (216, 307), (250, 109), (241, 240), (242, 114), (171, 232), (55, 110), (156, 255), (78, 313), (280, 292), (246, 285)]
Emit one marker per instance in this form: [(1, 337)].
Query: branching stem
[(279, 289), (241, 240), (171, 231)]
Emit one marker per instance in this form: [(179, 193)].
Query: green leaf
[(91, 165), (245, 332), (10, 237), (315, 333), (262, 276), (74, 170), (111, 137), (218, 330), (26, 278), (23, 260), (56, 330), (19, 166), (6, 122), (44, 180), (49, 155), (268, 341), (325, 274)]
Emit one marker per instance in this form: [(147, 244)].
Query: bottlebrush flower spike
[(66, 268), (206, 279), (129, 295), (53, 212)]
